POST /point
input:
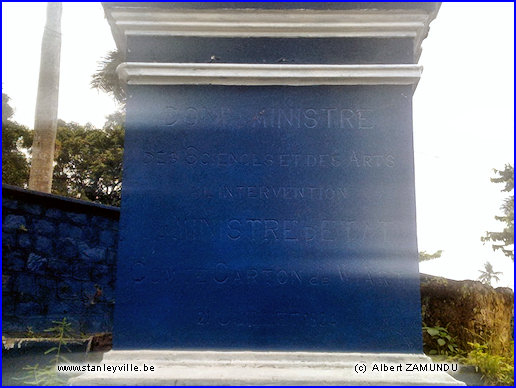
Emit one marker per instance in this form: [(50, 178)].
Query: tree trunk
[(45, 123)]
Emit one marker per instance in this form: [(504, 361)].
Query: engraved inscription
[(223, 275), (274, 230), (374, 274), (330, 117), (193, 156), (311, 117), (260, 319), (371, 161), (266, 276), (154, 275), (271, 192), (195, 116)]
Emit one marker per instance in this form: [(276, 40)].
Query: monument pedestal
[(269, 197), (165, 367)]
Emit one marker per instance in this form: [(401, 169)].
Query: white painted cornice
[(285, 23), (146, 73), (270, 23)]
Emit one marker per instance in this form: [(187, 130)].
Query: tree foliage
[(489, 274), (16, 139), (106, 79), (504, 240), (89, 161), (424, 256)]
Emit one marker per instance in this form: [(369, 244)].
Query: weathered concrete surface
[(263, 368), (18, 353), (470, 310)]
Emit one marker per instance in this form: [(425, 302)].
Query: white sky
[(463, 114)]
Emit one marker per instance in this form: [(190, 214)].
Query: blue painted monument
[(268, 194)]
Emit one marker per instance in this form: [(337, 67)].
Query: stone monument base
[(166, 367)]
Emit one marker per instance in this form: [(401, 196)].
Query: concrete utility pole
[(45, 122)]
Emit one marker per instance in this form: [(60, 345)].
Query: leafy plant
[(41, 375), (496, 370), (47, 374), (442, 342), (29, 333), (106, 79)]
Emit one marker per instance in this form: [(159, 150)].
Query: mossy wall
[(470, 310)]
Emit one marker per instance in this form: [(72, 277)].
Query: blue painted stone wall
[(59, 258)]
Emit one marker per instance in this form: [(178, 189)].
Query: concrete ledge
[(234, 20), (42, 344), (147, 73), (264, 368)]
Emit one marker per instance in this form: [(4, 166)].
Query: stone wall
[(59, 257), (470, 310)]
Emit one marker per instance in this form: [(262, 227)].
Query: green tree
[(489, 274), (89, 161), (424, 256), (106, 79), (504, 240), (16, 139)]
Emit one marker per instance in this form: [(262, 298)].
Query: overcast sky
[(463, 114)]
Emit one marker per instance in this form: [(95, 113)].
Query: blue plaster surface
[(268, 218)]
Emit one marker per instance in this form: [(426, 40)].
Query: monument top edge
[(272, 20), (430, 7)]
